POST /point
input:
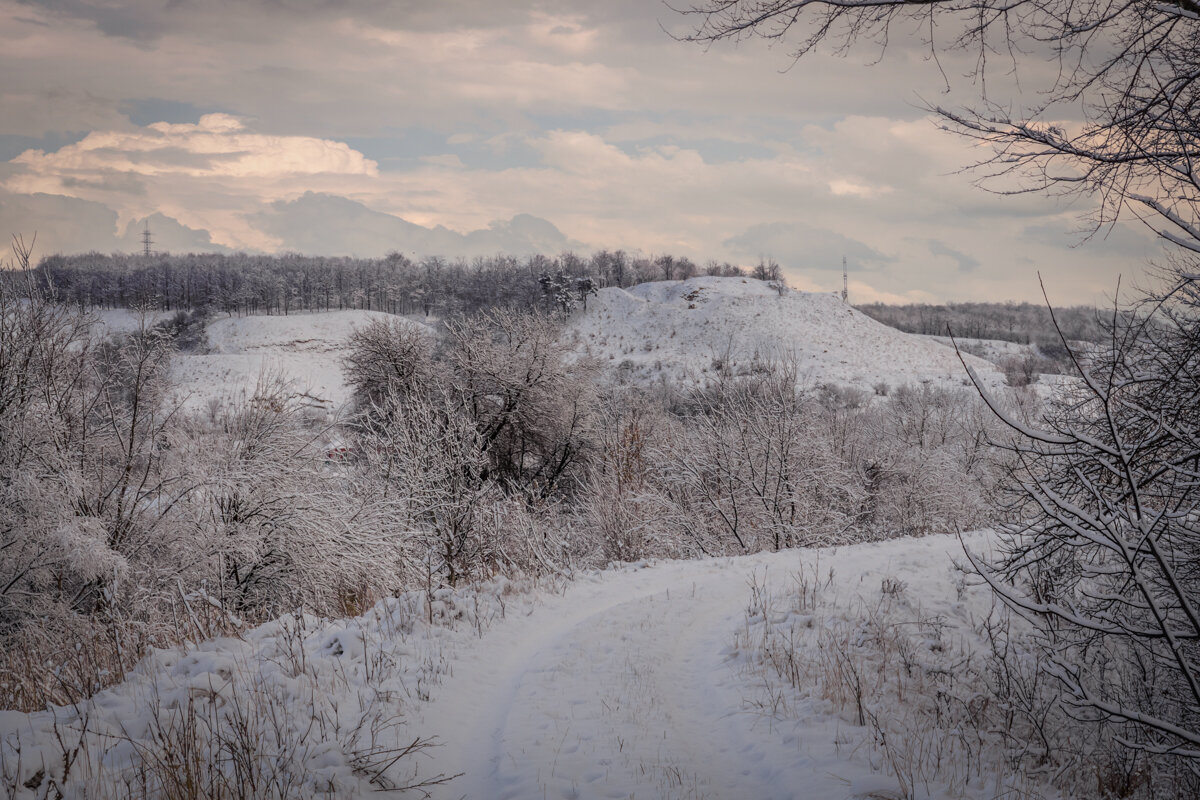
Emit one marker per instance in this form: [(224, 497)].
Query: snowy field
[(645, 680), (993, 350), (305, 350), (689, 330)]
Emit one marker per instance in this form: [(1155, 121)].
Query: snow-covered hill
[(675, 330), (688, 330)]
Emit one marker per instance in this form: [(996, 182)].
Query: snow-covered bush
[(428, 459), (754, 464), (285, 526), (476, 449), (388, 357), (88, 501), (926, 461), (117, 509), (531, 400), (187, 329), (755, 459), (626, 508)]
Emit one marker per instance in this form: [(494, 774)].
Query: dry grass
[(310, 708), (913, 691)]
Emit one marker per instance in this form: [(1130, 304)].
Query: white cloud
[(207, 174), (864, 187), (448, 160), (218, 146), (840, 186)]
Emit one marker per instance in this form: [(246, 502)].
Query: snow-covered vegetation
[(280, 556)]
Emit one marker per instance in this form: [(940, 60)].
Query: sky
[(475, 127)]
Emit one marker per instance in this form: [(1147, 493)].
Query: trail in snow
[(626, 687), (627, 684)]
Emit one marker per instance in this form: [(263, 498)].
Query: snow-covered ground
[(633, 685), (638, 681), (304, 349), (688, 330), (993, 350), (111, 321)]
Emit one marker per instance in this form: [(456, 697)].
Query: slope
[(632, 684), (692, 330), (304, 350)]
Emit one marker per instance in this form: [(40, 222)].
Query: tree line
[(1023, 323), (242, 284)]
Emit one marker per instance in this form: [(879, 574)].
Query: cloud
[(70, 225), (799, 246), (168, 235), (453, 115), (61, 224), (216, 146), (112, 183), (249, 190), (965, 262), (124, 21), (324, 224), (208, 174), (524, 234)]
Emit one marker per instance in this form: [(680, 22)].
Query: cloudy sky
[(476, 126)]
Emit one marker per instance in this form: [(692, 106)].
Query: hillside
[(305, 349), (675, 330), (689, 330)]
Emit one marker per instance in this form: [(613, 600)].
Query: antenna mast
[(845, 281), (147, 241)]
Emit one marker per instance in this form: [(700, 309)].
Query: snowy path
[(624, 688), (629, 684)]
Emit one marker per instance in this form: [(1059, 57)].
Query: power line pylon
[(845, 282), (147, 241)]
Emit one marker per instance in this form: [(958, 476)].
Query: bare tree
[(1131, 67), (1103, 554), (532, 404), (432, 465), (756, 460)]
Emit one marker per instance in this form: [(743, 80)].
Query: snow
[(687, 330), (322, 702), (630, 685), (993, 350), (304, 349), (637, 681), (112, 321), (676, 330)]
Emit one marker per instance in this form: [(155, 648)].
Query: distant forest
[(242, 284), (1024, 323)]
